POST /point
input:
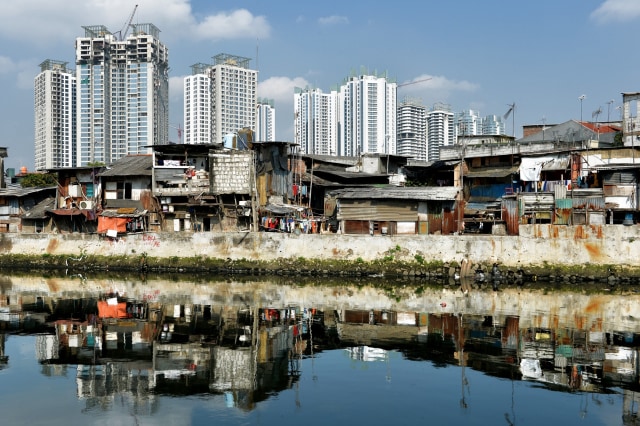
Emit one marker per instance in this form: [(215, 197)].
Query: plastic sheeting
[(112, 223)]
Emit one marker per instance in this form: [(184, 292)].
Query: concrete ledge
[(538, 244)]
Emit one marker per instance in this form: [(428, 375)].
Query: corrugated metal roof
[(124, 212), (130, 165), (39, 211), (491, 172), (426, 193), (19, 192)]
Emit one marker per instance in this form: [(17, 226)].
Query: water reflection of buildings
[(246, 346), (139, 349)]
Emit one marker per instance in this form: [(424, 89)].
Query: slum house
[(127, 202), (181, 181), (513, 181), (320, 174), (559, 186), (16, 201), (38, 219), (429, 173), (232, 187), (313, 176), (77, 199), (615, 172), (278, 197), (394, 210)]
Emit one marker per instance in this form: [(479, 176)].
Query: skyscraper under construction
[(122, 93)]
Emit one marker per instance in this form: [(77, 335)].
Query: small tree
[(617, 139), (37, 180)]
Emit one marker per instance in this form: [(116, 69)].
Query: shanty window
[(123, 191)]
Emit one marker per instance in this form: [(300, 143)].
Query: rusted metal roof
[(442, 193), (491, 172), (19, 192), (124, 212), (39, 211), (130, 165)]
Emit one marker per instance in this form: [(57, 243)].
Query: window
[(123, 191)]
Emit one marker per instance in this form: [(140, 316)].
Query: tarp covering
[(108, 309), (530, 167), (112, 223)]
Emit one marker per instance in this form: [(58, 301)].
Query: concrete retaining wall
[(537, 244)]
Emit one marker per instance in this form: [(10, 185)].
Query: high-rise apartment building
[(493, 125), (122, 93), (233, 98), (412, 129), (367, 111), (468, 123), (441, 130), (197, 106), (266, 121), (54, 113), (316, 121)]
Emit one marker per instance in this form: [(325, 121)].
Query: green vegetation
[(38, 180)]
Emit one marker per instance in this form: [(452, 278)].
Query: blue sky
[(541, 55)]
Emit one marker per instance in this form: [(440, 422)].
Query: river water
[(181, 350)]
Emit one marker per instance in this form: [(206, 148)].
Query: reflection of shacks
[(232, 369), (174, 360)]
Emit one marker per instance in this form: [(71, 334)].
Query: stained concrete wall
[(537, 244)]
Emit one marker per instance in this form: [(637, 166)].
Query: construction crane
[(414, 82), (179, 129), (123, 32)]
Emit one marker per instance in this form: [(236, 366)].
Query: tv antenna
[(511, 111)]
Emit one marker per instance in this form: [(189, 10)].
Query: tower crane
[(125, 29), (414, 82), (179, 129)]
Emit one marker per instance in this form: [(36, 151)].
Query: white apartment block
[(440, 130), (493, 125), (233, 96), (54, 113), (316, 121), (367, 111), (197, 106), (232, 92), (122, 93), (266, 121), (468, 123), (412, 129)]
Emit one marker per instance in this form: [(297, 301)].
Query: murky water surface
[(136, 351)]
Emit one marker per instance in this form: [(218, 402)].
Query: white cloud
[(176, 88), (51, 22), (617, 10), (6, 65), (238, 24), (280, 89), (333, 20)]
